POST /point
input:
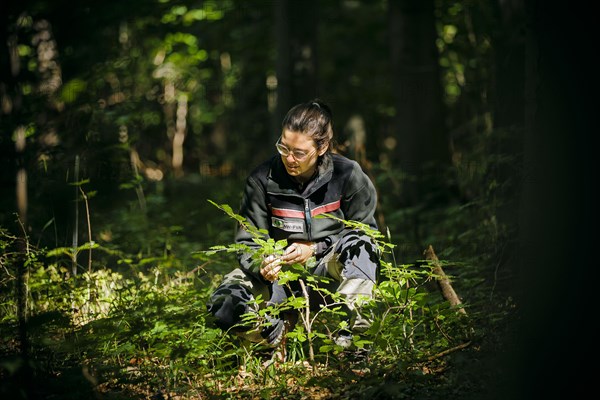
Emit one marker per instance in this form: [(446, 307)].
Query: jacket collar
[(279, 182)]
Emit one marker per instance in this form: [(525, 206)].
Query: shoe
[(275, 337), (344, 340), (358, 356), (273, 332)]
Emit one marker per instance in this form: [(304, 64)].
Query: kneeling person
[(282, 196)]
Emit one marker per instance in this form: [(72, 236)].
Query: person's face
[(299, 154)]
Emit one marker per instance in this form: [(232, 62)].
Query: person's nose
[(290, 158)]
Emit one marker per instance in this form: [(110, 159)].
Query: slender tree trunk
[(419, 119), (304, 20), (22, 204), (283, 70), (509, 58), (75, 235), (169, 110), (179, 135), (22, 242), (12, 118), (296, 25), (508, 96)]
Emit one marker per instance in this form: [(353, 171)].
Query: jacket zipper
[(308, 219)]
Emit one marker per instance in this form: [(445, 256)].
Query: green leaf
[(79, 183), (297, 302), (287, 276), (60, 251), (298, 335), (326, 348), (72, 89)]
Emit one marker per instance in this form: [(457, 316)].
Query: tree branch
[(442, 280)]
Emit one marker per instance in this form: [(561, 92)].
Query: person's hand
[(270, 267), (298, 252)]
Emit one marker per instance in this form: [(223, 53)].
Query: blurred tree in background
[(151, 92)]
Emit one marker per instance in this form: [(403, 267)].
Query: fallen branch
[(448, 351), (188, 274), (443, 281)]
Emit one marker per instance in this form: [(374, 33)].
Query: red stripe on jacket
[(285, 212), (326, 208)]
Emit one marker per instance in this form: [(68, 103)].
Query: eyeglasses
[(299, 155)]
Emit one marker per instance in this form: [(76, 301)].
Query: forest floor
[(478, 369)]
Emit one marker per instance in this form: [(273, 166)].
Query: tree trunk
[(283, 70), (13, 120), (296, 25), (419, 117), (509, 64), (557, 290), (508, 104), (304, 19)]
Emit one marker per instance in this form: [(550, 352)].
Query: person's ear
[(323, 150)]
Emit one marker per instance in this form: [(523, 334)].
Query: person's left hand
[(298, 252)]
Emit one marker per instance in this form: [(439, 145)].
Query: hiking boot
[(274, 332), (344, 339), (275, 337)]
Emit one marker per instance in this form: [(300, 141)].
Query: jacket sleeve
[(359, 200), (254, 209)]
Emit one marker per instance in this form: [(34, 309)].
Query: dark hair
[(313, 118)]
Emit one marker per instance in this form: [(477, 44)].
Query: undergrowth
[(133, 323)]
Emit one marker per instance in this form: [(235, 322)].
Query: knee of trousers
[(355, 289), (356, 292), (228, 303), (358, 256), (233, 297)]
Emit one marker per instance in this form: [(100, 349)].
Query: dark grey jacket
[(274, 201)]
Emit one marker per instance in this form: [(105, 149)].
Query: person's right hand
[(270, 268)]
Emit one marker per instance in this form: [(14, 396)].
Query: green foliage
[(129, 325), (139, 318), (409, 323), (266, 245)]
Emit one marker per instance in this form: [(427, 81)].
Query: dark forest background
[(120, 120)]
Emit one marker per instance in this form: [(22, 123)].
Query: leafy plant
[(408, 321)]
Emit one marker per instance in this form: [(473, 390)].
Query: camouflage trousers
[(352, 263)]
